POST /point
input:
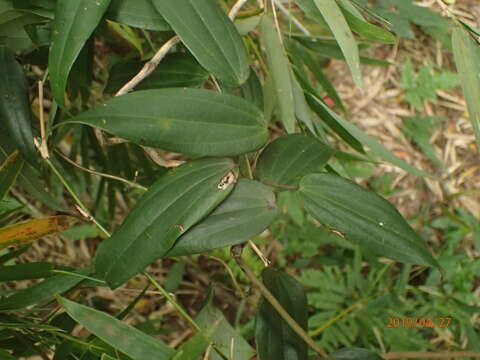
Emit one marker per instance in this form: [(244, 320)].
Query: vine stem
[(108, 176), (75, 197), (172, 301), (152, 64), (280, 186), (237, 255)]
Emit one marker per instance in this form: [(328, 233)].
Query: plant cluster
[(223, 129)]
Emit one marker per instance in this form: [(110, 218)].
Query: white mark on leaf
[(226, 181)]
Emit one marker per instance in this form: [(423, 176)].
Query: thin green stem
[(76, 198), (278, 307), (172, 301), (108, 176)]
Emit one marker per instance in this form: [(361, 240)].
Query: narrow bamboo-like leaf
[(177, 70), (127, 339), (319, 108), (9, 171), (288, 158), (376, 148), (15, 112), (172, 205), (210, 36), (247, 212), (364, 217), (327, 49), (223, 335), (296, 49), (73, 24), (27, 271), (28, 231), (189, 121), (28, 177), (137, 13), (354, 354), (274, 337), (279, 72), (42, 292), (467, 58), (367, 30), (338, 25)]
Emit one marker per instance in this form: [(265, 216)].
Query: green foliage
[(241, 103), (419, 129), (403, 14), (423, 85)]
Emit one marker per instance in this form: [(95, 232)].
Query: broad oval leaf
[(28, 231), (210, 36), (364, 217), (247, 212), (177, 70), (137, 13), (189, 121), (466, 52), (274, 337), (73, 24), (172, 205), (9, 171), (280, 73), (127, 339), (15, 112), (288, 158)]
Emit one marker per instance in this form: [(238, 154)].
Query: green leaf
[(375, 147), (247, 212), (364, 217), (222, 334), (177, 70), (27, 271), (298, 50), (354, 353), (467, 58), (210, 35), (327, 49), (288, 158), (172, 205), (6, 355), (9, 171), (280, 73), (189, 121), (274, 337), (127, 339), (339, 27), (419, 129), (15, 113), (194, 348), (367, 30), (73, 24), (330, 119), (42, 292), (137, 13)]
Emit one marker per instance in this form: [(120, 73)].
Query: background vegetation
[(207, 179)]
